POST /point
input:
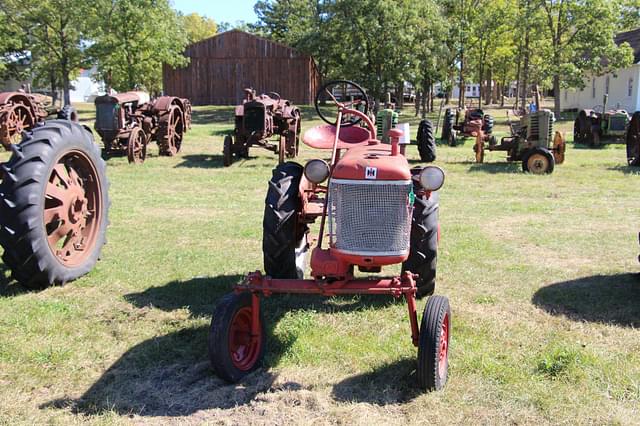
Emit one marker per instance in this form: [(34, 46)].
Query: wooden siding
[(222, 66)]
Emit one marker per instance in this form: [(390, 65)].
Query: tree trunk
[(417, 102), (400, 94), (461, 83), (425, 96)]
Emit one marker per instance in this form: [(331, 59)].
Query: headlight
[(316, 171), (432, 178)]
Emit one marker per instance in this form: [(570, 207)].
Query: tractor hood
[(372, 162)]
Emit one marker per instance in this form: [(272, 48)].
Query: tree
[(55, 33), (198, 27), (580, 41), (629, 15), (133, 38)]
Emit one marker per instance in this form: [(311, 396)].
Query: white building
[(621, 86)]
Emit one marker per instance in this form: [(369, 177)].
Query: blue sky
[(220, 10)]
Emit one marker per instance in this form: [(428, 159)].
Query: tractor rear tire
[(447, 124), (233, 353), (68, 113), (426, 141), (487, 124), (284, 240), (227, 152), (633, 140), (538, 161), (54, 204), (423, 253), (577, 135), (433, 344)]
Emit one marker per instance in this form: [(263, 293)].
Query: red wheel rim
[(243, 348), (443, 353), (72, 208)]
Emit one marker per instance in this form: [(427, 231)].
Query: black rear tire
[(426, 141), (220, 335), (435, 336), (22, 202), (284, 240), (633, 140), (487, 124), (447, 124), (423, 253), (227, 154), (68, 113)]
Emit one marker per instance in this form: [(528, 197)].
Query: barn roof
[(633, 38)]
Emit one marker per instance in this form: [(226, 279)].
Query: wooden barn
[(221, 67)]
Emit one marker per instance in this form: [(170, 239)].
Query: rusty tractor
[(23, 111), (374, 210), (259, 119), (593, 127), (466, 123), (532, 141), (54, 204), (128, 122)]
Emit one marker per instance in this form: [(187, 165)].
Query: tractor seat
[(476, 114), (322, 137)]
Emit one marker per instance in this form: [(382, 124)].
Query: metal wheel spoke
[(54, 213), (55, 192)]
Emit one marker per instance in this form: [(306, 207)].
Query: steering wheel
[(345, 92), (274, 95)]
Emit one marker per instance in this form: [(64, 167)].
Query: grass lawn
[(541, 272)]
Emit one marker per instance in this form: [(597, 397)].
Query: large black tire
[(447, 124), (23, 231), (230, 321), (227, 151), (577, 134), (423, 253), (435, 336), (426, 141), (538, 160), (633, 140), (284, 240), (487, 124)]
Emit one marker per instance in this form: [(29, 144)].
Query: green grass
[(541, 272)]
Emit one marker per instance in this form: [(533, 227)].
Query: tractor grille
[(254, 118), (540, 126), (106, 117), (618, 123), (370, 217)]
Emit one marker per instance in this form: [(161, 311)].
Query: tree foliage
[(198, 27)]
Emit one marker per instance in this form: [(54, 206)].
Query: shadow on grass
[(209, 116), (495, 168), (170, 375), (608, 299), (202, 161), (627, 170), (8, 287), (389, 384)]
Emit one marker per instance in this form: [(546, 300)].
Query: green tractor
[(593, 128), (532, 141)]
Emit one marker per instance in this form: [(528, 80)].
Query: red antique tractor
[(54, 204), (466, 123), (23, 111), (374, 210), (128, 122), (258, 119)]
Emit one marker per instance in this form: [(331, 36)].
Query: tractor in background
[(466, 123), (594, 128), (258, 119)]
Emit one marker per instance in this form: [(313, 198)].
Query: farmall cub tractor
[(258, 119), (532, 141), (466, 123), (374, 210), (129, 121)]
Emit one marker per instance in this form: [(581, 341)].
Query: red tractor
[(374, 210), (466, 123), (260, 118)]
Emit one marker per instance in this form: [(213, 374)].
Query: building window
[(630, 87), (593, 88), (606, 85)]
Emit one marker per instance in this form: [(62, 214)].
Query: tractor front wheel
[(423, 253), (234, 351), (284, 239), (426, 141), (538, 161), (433, 345)]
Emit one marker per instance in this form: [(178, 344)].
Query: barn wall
[(223, 66)]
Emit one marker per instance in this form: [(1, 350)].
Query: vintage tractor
[(594, 128), (633, 140), (260, 118), (128, 122), (466, 123), (23, 111), (54, 203), (532, 141), (374, 210)]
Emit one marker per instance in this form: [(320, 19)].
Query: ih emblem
[(371, 173)]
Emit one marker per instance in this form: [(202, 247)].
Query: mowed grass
[(541, 273)]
